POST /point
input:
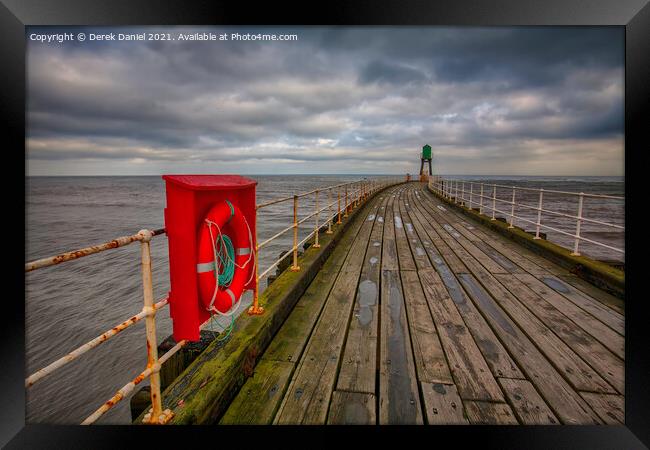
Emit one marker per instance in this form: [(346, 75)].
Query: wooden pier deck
[(421, 317)]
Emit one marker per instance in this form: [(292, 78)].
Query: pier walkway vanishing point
[(419, 316)]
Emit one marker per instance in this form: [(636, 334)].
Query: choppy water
[(69, 304)]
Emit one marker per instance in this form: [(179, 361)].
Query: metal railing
[(484, 197), (351, 194)]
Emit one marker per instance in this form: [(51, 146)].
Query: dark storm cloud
[(366, 97)]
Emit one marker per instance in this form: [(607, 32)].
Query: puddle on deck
[(556, 285), (367, 300), (487, 303)]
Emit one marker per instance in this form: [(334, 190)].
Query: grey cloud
[(355, 95)]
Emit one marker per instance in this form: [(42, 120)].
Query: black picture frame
[(634, 15)]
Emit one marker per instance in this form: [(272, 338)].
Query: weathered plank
[(529, 407), (606, 315), (405, 258), (471, 373), (497, 357), (608, 366), (610, 408), (592, 291), (252, 404), (487, 413), (574, 369), (568, 405), (258, 400), (359, 363), (442, 404), (399, 400), (310, 390), (352, 408), (430, 360), (604, 334)]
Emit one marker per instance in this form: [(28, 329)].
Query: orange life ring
[(227, 219)]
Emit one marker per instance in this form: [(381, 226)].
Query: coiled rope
[(224, 258)]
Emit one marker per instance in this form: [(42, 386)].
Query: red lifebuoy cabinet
[(190, 199)]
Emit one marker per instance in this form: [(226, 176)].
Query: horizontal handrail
[(449, 188), (350, 197)]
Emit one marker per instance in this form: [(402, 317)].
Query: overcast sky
[(493, 101)]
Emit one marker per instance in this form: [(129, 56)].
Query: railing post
[(295, 267), (156, 414), (480, 206), (512, 211), (494, 201), (255, 308), (339, 202), (329, 211), (346, 202), (316, 230), (578, 221), (539, 214), (471, 192), (462, 193)]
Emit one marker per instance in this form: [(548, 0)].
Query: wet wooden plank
[(352, 408), (442, 404), (610, 408), (601, 332), (617, 304), (430, 360), (309, 393), (399, 400), (359, 363), (529, 407), (471, 373), (571, 366), (523, 257), (606, 315), (260, 396), (487, 413), (389, 260), (405, 258), (609, 367), (567, 404), (500, 362)]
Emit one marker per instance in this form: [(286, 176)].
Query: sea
[(71, 303)]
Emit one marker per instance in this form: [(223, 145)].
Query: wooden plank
[(389, 259), (606, 315), (500, 362), (610, 408), (569, 364), (487, 413), (399, 400), (253, 404), (617, 304), (471, 373), (525, 258), (608, 366), (258, 400), (472, 249), (309, 393), (405, 258), (430, 360), (352, 408), (601, 332), (359, 363), (442, 404), (567, 404), (529, 407), (574, 369)]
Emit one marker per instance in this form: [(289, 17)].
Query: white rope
[(234, 306)]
